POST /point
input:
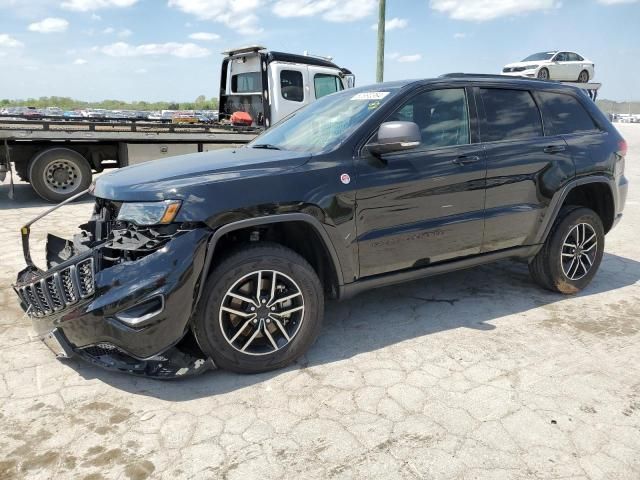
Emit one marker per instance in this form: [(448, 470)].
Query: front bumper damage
[(118, 296)]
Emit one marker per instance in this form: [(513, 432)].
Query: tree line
[(68, 103)]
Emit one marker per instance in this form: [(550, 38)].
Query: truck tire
[(261, 308), (571, 255), (58, 173)]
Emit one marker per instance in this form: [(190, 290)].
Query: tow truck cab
[(259, 87)]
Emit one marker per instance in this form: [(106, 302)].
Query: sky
[(170, 49)]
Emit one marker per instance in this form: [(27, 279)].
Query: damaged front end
[(119, 295)]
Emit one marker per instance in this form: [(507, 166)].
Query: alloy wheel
[(262, 312), (579, 251)]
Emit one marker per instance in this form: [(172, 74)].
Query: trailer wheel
[(58, 173)]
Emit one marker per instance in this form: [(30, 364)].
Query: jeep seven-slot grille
[(59, 290)]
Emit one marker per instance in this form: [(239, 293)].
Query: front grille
[(58, 290)]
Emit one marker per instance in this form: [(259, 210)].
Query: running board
[(351, 289)]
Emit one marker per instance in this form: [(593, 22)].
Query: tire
[(543, 74), (59, 173), (223, 335), (554, 267), (583, 77)]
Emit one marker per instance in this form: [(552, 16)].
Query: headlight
[(531, 67), (149, 213)]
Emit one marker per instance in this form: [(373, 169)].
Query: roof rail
[(480, 75)]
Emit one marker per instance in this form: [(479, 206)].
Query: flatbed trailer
[(257, 86), (55, 156)]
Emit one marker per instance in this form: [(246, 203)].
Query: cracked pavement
[(477, 374)]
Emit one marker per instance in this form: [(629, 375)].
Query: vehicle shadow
[(479, 299), (25, 197)]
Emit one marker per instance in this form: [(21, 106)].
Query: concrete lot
[(476, 374)]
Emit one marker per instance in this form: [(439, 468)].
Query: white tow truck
[(258, 87)]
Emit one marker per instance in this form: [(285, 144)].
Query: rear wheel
[(59, 173), (543, 74), (570, 257), (261, 309), (583, 77)]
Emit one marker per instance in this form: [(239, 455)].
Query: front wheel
[(571, 255), (543, 74), (262, 308)]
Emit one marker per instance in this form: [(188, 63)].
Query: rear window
[(249, 82), (563, 114), (509, 115)]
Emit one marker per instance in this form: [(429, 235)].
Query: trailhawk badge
[(345, 178)]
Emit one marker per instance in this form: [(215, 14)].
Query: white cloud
[(459, 35), (95, 17), (331, 10), (108, 31), (393, 24), (204, 36), (482, 10), (140, 71), (9, 42), (50, 25), (124, 33), (91, 5), (80, 61), (409, 58), (182, 50), (236, 14), (616, 2)]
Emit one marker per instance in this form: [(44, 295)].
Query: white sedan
[(564, 66)]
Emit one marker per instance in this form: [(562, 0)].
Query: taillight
[(622, 148)]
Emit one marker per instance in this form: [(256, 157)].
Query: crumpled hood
[(177, 177)]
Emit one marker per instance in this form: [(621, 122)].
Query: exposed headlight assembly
[(531, 67), (149, 213)]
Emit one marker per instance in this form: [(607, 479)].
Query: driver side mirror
[(396, 137)]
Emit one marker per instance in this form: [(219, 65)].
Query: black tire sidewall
[(207, 325), (540, 71), (580, 77), (560, 281), (39, 164)]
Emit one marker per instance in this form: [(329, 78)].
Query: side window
[(563, 114), (561, 57), (509, 115), (325, 84), (441, 115), (578, 58), (291, 85), (572, 57)]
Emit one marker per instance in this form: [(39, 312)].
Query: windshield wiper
[(266, 146)]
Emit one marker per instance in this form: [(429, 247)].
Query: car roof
[(477, 79)]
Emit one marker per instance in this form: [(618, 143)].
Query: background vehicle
[(237, 249), (58, 158), (554, 65)]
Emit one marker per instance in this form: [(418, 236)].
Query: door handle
[(464, 159), (554, 149)]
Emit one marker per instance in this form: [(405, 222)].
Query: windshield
[(327, 122), (539, 56)]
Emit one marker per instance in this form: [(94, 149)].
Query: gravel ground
[(478, 374)]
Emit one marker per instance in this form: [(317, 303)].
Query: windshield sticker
[(373, 105), (369, 96)]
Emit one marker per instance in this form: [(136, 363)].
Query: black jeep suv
[(227, 257)]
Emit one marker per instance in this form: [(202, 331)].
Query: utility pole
[(381, 27)]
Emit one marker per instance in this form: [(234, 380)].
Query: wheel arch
[(333, 273), (577, 192)]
